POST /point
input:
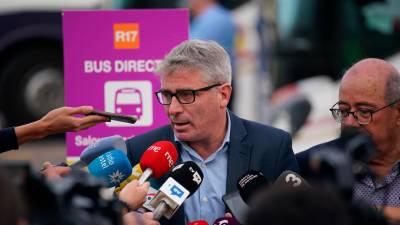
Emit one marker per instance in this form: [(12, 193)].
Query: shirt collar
[(226, 140)]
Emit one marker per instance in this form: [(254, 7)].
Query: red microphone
[(157, 160), (198, 222), (226, 221)]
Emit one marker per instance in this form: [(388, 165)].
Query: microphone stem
[(160, 210), (145, 176)]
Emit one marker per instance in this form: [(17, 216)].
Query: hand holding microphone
[(134, 194), (51, 171), (98, 148), (185, 179), (90, 153), (135, 175), (135, 218)]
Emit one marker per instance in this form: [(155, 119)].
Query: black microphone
[(249, 183), (185, 179), (291, 179), (238, 202), (360, 147)]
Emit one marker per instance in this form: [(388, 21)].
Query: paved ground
[(50, 149)]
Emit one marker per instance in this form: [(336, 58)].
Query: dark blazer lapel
[(239, 154)]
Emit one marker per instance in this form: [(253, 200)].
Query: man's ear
[(225, 94), (398, 114)]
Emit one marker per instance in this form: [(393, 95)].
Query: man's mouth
[(178, 125)]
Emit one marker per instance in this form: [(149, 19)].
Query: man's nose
[(175, 106), (350, 121)]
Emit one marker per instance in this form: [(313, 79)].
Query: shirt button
[(205, 199), (203, 165)]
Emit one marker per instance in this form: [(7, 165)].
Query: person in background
[(59, 120), (303, 206), (211, 21), (369, 98)]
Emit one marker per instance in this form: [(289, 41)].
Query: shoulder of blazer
[(137, 145)]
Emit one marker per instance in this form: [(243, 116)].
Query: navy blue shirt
[(8, 139)]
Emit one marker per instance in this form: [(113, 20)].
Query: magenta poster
[(109, 62)]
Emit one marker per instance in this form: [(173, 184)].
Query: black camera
[(75, 199)]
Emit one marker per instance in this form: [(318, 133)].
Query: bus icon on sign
[(128, 101), (131, 98)]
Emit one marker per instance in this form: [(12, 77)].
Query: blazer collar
[(239, 154)]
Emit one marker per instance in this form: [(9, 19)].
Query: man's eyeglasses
[(363, 117), (183, 96)]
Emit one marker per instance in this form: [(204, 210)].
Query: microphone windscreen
[(113, 167), (226, 221), (198, 222), (189, 175), (357, 143), (250, 183), (102, 146), (290, 179), (160, 157)]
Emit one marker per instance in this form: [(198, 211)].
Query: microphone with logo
[(250, 183), (135, 175), (112, 166), (198, 222), (226, 221), (185, 179), (157, 160), (238, 202), (290, 179), (98, 148)]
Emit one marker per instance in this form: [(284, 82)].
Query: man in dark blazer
[(195, 90)]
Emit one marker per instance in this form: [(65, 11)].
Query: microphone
[(185, 179), (98, 148), (238, 202), (112, 167), (136, 173), (291, 179), (250, 183), (157, 160), (226, 221), (198, 222)]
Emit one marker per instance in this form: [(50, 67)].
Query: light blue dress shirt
[(206, 203)]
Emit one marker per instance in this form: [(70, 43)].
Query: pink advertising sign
[(109, 63)]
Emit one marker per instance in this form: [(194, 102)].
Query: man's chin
[(183, 136)]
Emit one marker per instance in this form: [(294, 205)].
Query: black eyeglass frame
[(333, 110), (180, 91)]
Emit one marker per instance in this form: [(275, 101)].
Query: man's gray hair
[(392, 92), (206, 56)]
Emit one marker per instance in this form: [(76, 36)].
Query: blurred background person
[(369, 96), (12, 210), (298, 206), (211, 21)]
